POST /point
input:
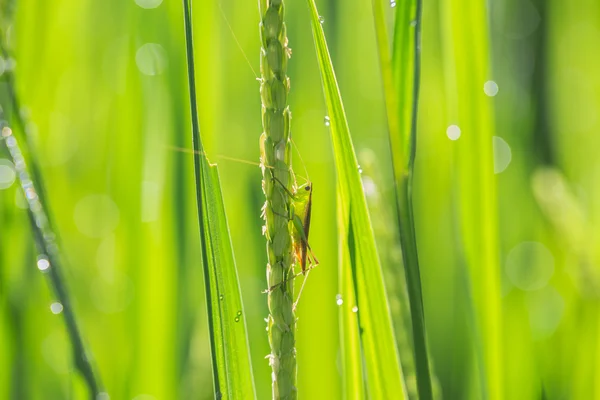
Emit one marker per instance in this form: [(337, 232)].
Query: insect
[(302, 212), (300, 217)]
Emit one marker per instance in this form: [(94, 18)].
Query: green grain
[(278, 182)]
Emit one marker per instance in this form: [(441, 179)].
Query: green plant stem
[(47, 246), (44, 235), (402, 109), (278, 183)]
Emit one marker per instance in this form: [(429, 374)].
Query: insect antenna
[(302, 161), (240, 160), (237, 41)]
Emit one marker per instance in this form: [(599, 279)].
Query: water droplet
[(327, 121), (453, 132), (30, 194), (338, 300), (490, 88), (360, 171), (148, 4), (151, 59), (221, 297), (502, 154), (239, 313), (6, 131), (413, 22), (355, 309), (392, 3), (321, 20), (56, 307), (43, 264), (237, 319)]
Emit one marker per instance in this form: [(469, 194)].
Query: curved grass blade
[(400, 72), (367, 313), (230, 352)]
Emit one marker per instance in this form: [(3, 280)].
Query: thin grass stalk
[(402, 109), (198, 149), (278, 183), (45, 238), (49, 261)]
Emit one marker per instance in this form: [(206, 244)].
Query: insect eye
[(307, 188)]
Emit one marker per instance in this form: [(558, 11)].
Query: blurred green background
[(103, 84)]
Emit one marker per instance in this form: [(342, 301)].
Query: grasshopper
[(300, 216), (302, 211)]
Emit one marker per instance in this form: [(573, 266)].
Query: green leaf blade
[(467, 65), (230, 351), (228, 331), (360, 269), (400, 72)]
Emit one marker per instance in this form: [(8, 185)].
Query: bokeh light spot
[(151, 59), (529, 265), (502, 154), (148, 4), (453, 132), (96, 215), (490, 88), (112, 296), (56, 351), (7, 174), (546, 308)]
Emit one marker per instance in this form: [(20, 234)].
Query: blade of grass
[(43, 231), (466, 48), (49, 261), (359, 258), (230, 352), (400, 74)]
